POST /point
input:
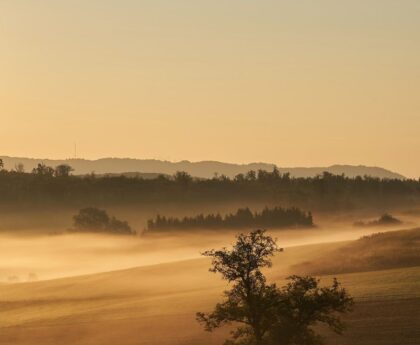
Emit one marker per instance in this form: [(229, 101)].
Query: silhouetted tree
[(250, 301), (251, 175), (92, 219), (43, 170), (265, 314), (1, 164), (182, 177), (63, 170), (301, 305), (239, 178)]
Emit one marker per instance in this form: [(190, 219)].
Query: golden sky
[(296, 83)]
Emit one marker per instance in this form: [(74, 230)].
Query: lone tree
[(264, 313), (63, 170)]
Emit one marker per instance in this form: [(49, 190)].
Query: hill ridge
[(202, 169)]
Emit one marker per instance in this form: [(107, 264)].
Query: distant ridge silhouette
[(202, 169)]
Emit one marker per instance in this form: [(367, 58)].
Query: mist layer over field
[(67, 288), (33, 257), (155, 303)]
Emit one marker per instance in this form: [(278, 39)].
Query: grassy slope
[(156, 305), (378, 251)]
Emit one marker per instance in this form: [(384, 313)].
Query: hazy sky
[(296, 83)]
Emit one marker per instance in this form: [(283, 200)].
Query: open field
[(156, 304)]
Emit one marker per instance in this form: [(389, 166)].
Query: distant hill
[(203, 169), (348, 170)]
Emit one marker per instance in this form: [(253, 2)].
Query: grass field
[(157, 305), (382, 250)]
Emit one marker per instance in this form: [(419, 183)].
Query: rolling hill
[(156, 305), (203, 169), (378, 251)]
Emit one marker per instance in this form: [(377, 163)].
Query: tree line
[(276, 218), (56, 186)]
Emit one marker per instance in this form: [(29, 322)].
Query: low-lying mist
[(32, 257)]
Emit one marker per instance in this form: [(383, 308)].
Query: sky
[(295, 83)]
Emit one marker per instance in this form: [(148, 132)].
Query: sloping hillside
[(370, 253), (157, 305)]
